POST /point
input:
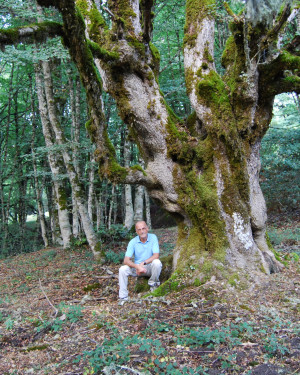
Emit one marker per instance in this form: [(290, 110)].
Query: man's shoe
[(154, 286), (122, 301)]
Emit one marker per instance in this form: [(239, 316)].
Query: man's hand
[(140, 269)]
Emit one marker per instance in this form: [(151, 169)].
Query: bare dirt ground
[(59, 314)]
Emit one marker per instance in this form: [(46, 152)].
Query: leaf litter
[(59, 314)]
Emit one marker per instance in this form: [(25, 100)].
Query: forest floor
[(59, 314)]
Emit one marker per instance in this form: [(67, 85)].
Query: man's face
[(141, 230)]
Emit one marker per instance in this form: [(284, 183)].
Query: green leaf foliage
[(280, 155)]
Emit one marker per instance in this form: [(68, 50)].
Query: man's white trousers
[(153, 271)]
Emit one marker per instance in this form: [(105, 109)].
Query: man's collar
[(146, 239)]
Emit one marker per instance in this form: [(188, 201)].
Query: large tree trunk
[(204, 171), (231, 121)]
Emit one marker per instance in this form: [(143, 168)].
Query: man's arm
[(155, 250), (151, 259), (139, 267)]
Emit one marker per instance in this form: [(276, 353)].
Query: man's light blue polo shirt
[(142, 251)]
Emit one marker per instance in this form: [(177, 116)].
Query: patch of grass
[(274, 346), (66, 314), (9, 323), (114, 257), (284, 235), (23, 288), (167, 248), (78, 242), (117, 232), (141, 285), (115, 350), (49, 255)]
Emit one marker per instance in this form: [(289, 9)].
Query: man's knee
[(123, 270), (156, 263)]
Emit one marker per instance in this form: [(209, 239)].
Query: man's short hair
[(141, 221)]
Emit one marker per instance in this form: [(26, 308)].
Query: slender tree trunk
[(139, 199), (73, 177), (54, 219), (4, 171), (296, 98), (148, 212), (75, 137), (20, 177), (55, 166), (37, 189), (138, 203), (105, 203), (115, 205), (111, 206), (99, 211), (75, 217), (40, 207), (91, 190), (129, 213)]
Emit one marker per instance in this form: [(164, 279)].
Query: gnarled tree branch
[(38, 32), (136, 176), (280, 75), (273, 32), (289, 83)]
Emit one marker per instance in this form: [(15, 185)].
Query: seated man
[(144, 247)]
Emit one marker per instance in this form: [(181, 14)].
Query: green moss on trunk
[(62, 198), (195, 11)]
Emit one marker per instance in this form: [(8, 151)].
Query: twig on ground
[(85, 330), (94, 341), (108, 277), (42, 289), (133, 371)]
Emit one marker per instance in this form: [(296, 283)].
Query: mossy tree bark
[(232, 113), (204, 170)]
